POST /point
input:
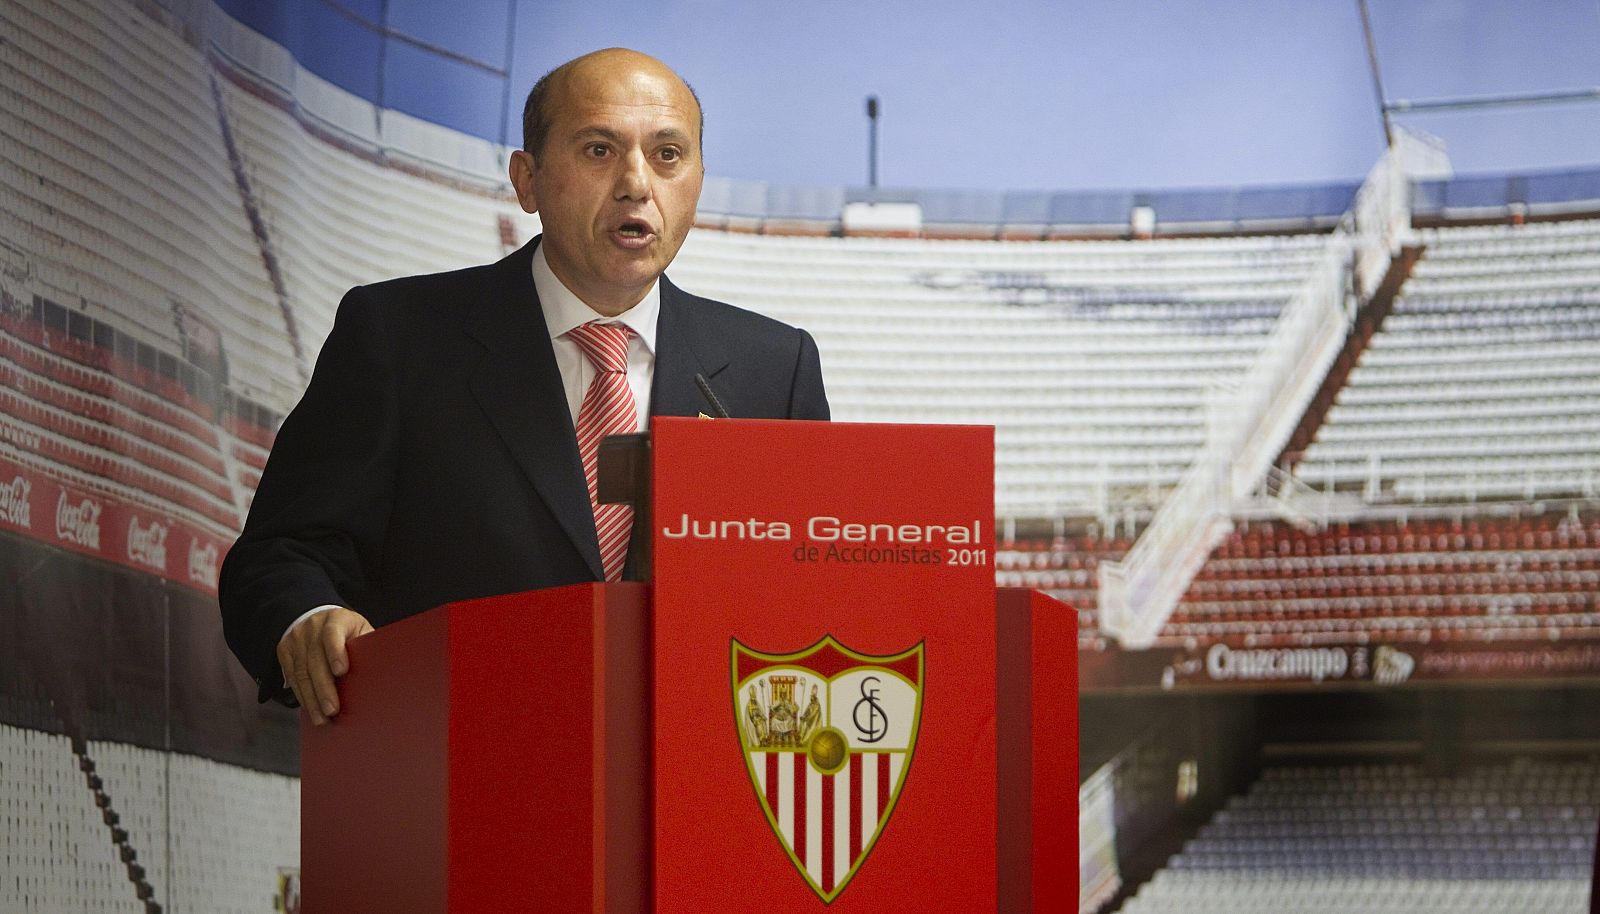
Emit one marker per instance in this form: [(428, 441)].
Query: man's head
[(612, 166), (536, 109)]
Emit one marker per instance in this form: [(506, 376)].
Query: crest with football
[(828, 735)]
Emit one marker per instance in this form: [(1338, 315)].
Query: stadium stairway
[(1369, 320), (1367, 257), (126, 852)]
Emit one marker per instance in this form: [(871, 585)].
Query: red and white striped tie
[(608, 409)]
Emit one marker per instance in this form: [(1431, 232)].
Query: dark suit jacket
[(433, 458)]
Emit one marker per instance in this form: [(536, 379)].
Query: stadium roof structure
[(1283, 209), (343, 96)]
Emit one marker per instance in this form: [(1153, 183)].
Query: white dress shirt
[(562, 312)]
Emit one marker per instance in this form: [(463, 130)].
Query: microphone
[(705, 388)]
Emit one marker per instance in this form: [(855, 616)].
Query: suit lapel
[(683, 348), (518, 386)]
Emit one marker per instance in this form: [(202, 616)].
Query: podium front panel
[(824, 660)]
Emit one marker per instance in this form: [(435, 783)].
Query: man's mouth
[(633, 233)]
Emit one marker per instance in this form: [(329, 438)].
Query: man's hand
[(312, 655)]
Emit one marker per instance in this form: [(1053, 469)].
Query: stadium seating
[(120, 108), (95, 421), (339, 220), (56, 851), (1093, 360), (206, 836), (1484, 383), (1475, 576), (134, 199), (1512, 837), (232, 832)]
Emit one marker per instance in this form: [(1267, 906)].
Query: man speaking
[(445, 446)]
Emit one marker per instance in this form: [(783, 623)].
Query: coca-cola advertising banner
[(43, 508), (1223, 664)]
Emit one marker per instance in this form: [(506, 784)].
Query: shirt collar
[(563, 310)]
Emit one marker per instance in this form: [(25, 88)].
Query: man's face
[(616, 183)]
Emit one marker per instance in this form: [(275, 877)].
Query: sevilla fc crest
[(827, 735)]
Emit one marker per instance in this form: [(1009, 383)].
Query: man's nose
[(633, 178)]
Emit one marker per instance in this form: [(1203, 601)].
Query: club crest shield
[(827, 735)]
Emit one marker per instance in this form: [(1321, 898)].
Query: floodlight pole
[(1377, 78), (872, 141)]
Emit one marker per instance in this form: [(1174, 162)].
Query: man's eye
[(671, 154), (597, 150)]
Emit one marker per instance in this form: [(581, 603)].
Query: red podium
[(820, 704)]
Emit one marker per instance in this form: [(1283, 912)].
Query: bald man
[(434, 455)]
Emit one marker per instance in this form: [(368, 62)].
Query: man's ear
[(520, 170)]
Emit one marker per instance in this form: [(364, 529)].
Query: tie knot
[(605, 345)]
